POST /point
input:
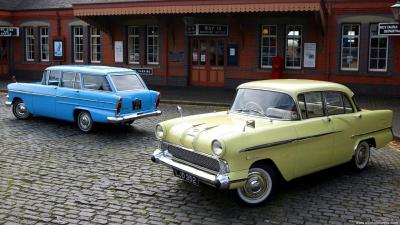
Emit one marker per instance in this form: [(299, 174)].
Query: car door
[(68, 95), (44, 96), (345, 121), (314, 135)]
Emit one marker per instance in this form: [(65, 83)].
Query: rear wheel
[(259, 186), (84, 121), (361, 156), (20, 111)]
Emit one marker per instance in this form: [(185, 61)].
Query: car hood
[(198, 132)]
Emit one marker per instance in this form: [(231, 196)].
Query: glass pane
[(382, 64), (221, 51), (374, 42), (195, 46), (96, 82), (382, 53), (382, 42), (347, 105), (68, 80), (203, 49), (314, 104), (374, 53), (127, 82), (213, 57), (54, 77), (373, 63), (334, 103), (302, 106)]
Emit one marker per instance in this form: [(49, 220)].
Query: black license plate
[(186, 177)]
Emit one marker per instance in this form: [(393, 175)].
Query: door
[(44, 98), (4, 57), (68, 95), (207, 62)]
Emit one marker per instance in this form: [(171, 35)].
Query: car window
[(44, 78), (127, 82), (68, 80), (347, 105), (334, 103), (54, 78), (78, 81), (311, 104), (355, 103), (96, 82)]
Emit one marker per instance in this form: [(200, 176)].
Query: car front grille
[(192, 157)]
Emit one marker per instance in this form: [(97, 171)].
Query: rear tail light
[(119, 105), (158, 101)]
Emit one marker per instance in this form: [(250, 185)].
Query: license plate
[(186, 177)]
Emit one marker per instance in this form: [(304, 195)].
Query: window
[(152, 45), (96, 82), (133, 45), (54, 77), (337, 103), (378, 50), (68, 80), (127, 82), (44, 44), (268, 45), (95, 44), (45, 77), (77, 81), (311, 105), (29, 44), (293, 46), (78, 44), (350, 46)]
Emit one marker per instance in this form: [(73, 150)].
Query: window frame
[(131, 44), (269, 46), (358, 46), (301, 46), (82, 78), (73, 79), (342, 96), (29, 42), (148, 36), (74, 37), (46, 37), (305, 104), (93, 46), (370, 48)]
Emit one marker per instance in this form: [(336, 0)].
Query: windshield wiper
[(249, 110)]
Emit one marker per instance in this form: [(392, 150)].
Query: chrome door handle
[(327, 119), (359, 116)]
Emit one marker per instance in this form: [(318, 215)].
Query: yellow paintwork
[(335, 145)]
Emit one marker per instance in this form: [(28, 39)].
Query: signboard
[(310, 54), (143, 71), (9, 31), (389, 29), (207, 30), (119, 52), (58, 46)]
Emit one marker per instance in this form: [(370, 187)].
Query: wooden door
[(4, 57), (207, 62)]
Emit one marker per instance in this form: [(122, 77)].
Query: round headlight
[(159, 132), (217, 148)]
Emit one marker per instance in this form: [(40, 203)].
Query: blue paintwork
[(61, 102)]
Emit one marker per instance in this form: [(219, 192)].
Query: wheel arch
[(76, 112), (270, 163), (370, 141), (17, 98)]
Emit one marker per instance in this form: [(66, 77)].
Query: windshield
[(127, 82), (263, 103)]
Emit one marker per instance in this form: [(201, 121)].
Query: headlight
[(159, 132), (217, 148)]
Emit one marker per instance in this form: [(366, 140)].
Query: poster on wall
[(58, 53), (310, 54), (118, 48)]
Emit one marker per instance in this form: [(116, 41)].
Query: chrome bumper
[(220, 181), (8, 103), (132, 117)]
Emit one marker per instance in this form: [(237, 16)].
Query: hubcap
[(21, 110), (362, 156), (85, 121), (257, 188)]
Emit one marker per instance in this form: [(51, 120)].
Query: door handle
[(358, 116), (76, 91), (327, 119)]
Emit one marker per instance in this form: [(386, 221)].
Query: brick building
[(206, 43)]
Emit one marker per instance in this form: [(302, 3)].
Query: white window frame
[(95, 41), (44, 44), (358, 46), (268, 36), (370, 48), (74, 39), (157, 45), (30, 44), (132, 48), (300, 37)]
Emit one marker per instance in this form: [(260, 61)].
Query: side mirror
[(249, 123), (179, 109)]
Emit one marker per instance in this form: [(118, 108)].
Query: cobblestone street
[(51, 173)]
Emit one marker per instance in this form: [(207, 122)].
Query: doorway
[(4, 57), (207, 61)]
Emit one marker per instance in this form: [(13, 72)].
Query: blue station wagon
[(85, 95)]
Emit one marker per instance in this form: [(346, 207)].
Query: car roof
[(95, 70), (296, 86)]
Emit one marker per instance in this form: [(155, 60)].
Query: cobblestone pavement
[(51, 173)]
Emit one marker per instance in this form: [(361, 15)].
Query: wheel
[(84, 121), (259, 186), (361, 156), (20, 111)]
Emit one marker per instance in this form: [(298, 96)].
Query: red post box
[(277, 67)]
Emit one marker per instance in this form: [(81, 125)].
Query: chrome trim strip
[(272, 144), (32, 93), (131, 117), (370, 132)]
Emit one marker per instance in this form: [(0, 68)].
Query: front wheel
[(361, 156), (20, 111), (259, 186), (85, 122)]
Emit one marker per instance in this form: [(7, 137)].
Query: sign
[(207, 30), (310, 54), (58, 46), (118, 51), (143, 71), (9, 31), (389, 29)]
